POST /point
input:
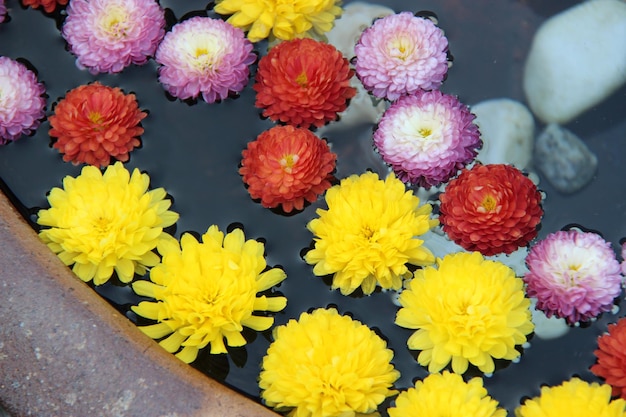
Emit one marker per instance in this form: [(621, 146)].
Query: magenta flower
[(574, 275), (3, 11), (204, 55), (624, 257), (21, 100), (401, 54), (427, 137), (109, 35)]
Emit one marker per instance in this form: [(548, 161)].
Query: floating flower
[(279, 19), (21, 100), (427, 137), (108, 222), (3, 11), (573, 398), (94, 123), (286, 166), (304, 83), (491, 208), (368, 234), (611, 354), (207, 291), (401, 54), (624, 257), (446, 395), (47, 5), (467, 310), (204, 55), (574, 275), (109, 35), (326, 365)]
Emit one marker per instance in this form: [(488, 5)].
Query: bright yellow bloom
[(573, 398), (327, 365), (105, 222), (368, 234), (440, 395), (467, 310), (281, 19), (206, 292)]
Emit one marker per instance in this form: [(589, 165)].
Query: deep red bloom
[(94, 123), (491, 208), (285, 166), (303, 82), (47, 5), (611, 354)]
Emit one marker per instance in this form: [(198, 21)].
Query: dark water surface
[(193, 152)]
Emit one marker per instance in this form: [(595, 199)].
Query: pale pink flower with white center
[(574, 275), (204, 56), (109, 35), (401, 54), (427, 137), (21, 100)]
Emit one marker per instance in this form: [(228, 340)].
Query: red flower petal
[(303, 82), (287, 166), (491, 209), (47, 5), (611, 354), (94, 123)]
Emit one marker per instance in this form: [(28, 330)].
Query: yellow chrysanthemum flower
[(368, 234), (206, 292), (108, 222), (467, 310), (327, 365), (446, 395), (573, 398), (281, 19)]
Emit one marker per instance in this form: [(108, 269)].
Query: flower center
[(302, 80), (115, 22), (400, 47), (288, 161), (488, 204), (205, 53)]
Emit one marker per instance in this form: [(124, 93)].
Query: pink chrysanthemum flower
[(204, 55), (624, 257), (427, 137), (21, 100), (574, 275), (109, 35), (3, 11), (401, 54)]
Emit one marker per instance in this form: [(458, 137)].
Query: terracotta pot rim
[(65, 351)]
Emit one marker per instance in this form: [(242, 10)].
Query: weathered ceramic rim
[(65, 351)]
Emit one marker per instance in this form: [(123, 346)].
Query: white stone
[(507, 129), (356, 17), (576, 60)]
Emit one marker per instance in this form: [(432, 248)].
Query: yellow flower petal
[(105, 222)]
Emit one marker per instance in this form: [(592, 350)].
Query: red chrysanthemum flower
[(94, 123), (303, 82), (285, 166), (47, 5), (491, 209), (611, 354)]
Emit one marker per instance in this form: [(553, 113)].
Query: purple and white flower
[(573, 275), (401, 54), (427, 137), (22, 100), (109, 35), (3, 10), (204, 56)]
